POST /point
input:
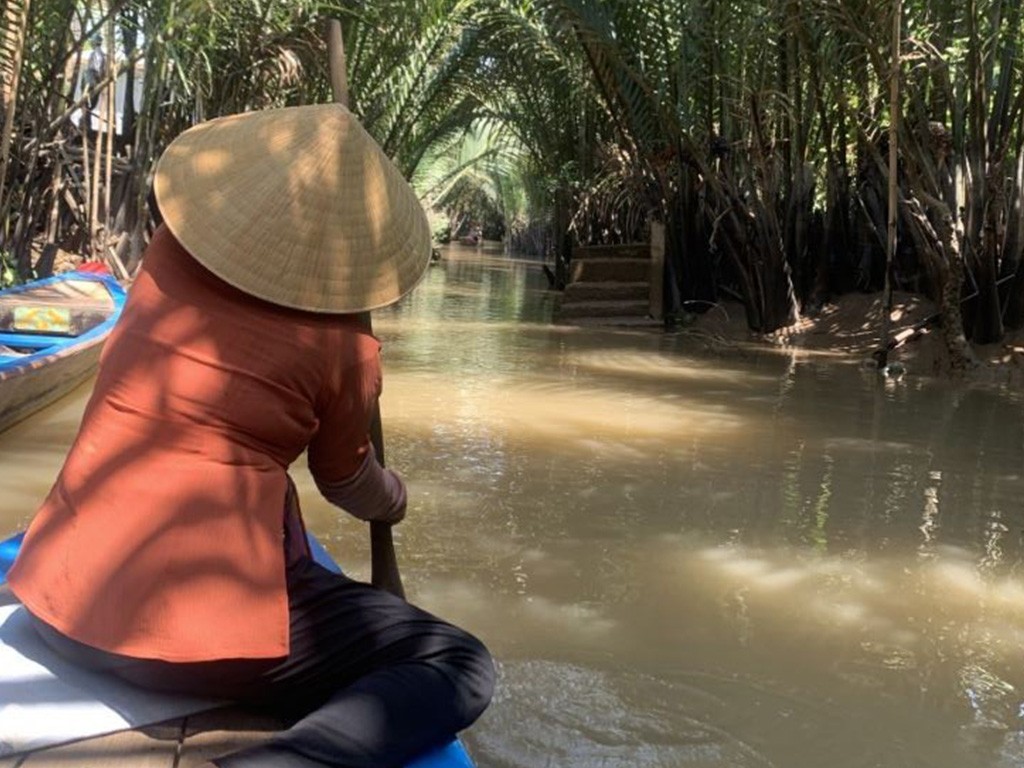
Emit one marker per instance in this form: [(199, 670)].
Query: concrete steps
[(610, 269), (605, 308), (632, 251), (615, 285), (607, 290)]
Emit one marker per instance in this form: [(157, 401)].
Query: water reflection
[(31, 455), (686, 553)]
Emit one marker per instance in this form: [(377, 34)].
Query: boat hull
[(38, 368), (35, 387)]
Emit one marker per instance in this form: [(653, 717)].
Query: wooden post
[(890, 244), (657, 281), (383, 561), (339, 68)]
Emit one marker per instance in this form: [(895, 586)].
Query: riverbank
[(848, 329)]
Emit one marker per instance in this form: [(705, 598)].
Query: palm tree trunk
[(985, 323)]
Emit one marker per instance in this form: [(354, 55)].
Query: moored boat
[(51, 334)]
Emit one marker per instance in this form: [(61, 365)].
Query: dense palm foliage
[(73, 183), (757, 131)]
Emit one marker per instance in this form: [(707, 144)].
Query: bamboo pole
[(84, 122), (111, 123), (95, 247), (383, 561), (55, 189), (94, 192)]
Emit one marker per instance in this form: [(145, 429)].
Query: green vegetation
[(757, 131), (8, 276)]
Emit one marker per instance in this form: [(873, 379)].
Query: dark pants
[(373, 680)]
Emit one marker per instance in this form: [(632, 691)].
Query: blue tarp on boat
[(8, 551)]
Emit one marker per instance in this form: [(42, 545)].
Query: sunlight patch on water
[(962, 585), (644, 364), (540, 621), (959, 580), (888, 600), (867, 445), (394, 329), (541, 409)]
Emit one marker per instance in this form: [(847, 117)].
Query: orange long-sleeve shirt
[(162, 535)]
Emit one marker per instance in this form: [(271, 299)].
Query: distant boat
[(51, 334)]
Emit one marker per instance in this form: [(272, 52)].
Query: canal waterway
[(683, 553)]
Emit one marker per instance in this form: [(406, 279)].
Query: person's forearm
[(373, 493)]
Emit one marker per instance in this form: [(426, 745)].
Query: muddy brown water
[(684, 554)]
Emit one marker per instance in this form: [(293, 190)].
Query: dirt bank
[(848, 329)]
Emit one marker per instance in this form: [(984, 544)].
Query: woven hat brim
[(296, 206)]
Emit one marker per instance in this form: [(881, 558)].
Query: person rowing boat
[(171, 549)]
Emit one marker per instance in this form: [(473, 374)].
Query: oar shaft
[(383, 561), (384, 572)]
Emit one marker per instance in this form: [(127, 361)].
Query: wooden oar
[(383, 561)]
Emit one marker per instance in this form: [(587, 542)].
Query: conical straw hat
[(297, 206)]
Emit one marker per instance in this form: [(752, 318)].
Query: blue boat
[(51, 334), (452, 755)]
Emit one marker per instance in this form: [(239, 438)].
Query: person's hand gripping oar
[(383, 561)]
